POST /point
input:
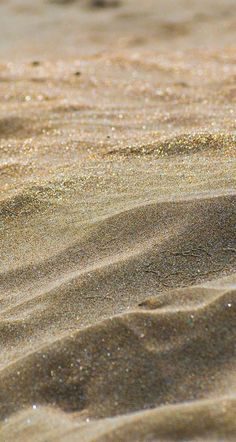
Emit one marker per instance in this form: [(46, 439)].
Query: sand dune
[(173, 347), (138, 360), (117, 221)]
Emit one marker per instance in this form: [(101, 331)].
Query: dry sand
[(117, 224)]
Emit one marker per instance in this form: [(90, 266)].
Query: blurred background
[(70, 28)]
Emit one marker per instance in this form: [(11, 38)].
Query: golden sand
[(117, 221)]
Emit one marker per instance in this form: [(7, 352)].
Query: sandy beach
[(117, 221)]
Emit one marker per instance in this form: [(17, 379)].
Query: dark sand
[(117, 223)]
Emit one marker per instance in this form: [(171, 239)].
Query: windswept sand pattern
[(117, 221)]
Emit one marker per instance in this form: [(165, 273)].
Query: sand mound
[(173, 347), (130, 362), (182, 145)]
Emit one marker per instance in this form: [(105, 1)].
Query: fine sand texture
[(117, 221)]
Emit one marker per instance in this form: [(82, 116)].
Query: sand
[(117, 221)]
